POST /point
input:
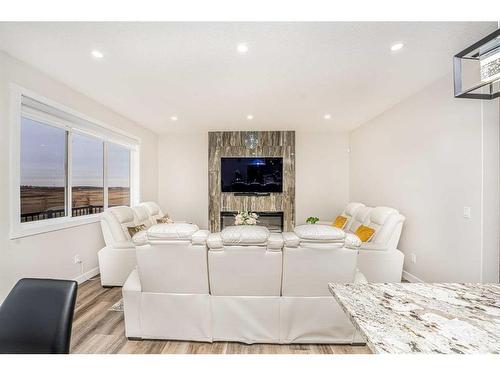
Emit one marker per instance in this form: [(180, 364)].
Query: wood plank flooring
[(99, 331)]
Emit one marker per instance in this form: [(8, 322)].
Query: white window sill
[(51, 225)]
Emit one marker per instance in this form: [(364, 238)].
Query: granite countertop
[(424, 318)]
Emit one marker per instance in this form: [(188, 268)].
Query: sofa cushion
[(141, 216), (154, 211), (361, 217), (352, 208), (152, 207), (123, 214), (245, 235), (380, 214), (174, 231), (319, 233)]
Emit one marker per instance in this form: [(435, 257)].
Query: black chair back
[(37, 316)]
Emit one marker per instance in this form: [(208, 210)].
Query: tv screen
[(252, 175)]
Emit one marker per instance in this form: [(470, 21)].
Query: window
[(87, 175), (66, 169), (43, 171), (118, 176)]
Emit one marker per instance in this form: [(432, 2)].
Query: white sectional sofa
[(117, 259), (379, 259), (243, 284)]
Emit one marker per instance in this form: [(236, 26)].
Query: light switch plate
[(467, 213)]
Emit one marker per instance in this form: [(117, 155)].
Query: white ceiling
[(292, 75)]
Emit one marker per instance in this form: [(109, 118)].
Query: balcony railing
[(61, 212)]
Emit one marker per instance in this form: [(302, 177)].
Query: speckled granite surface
[(424, 318)]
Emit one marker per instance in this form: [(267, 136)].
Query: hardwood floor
[(96, 330)]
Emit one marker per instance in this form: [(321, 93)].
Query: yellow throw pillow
[(136, 229), (364, 233), (164, 220), (340, 222)]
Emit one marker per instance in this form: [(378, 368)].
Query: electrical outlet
[(414, 258), (467, 213), (77, 259)]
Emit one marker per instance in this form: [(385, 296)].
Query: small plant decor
[(312, 220)]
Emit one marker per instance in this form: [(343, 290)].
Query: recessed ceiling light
[(97, 54), (173, 118), (397, 46), (249, 117), (327, 117), (242, 48)]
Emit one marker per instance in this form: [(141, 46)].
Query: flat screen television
[(252, 175)]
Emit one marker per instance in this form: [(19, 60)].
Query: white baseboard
[(87, 275), (411, 278)]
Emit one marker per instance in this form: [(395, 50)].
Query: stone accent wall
[(231, 144)]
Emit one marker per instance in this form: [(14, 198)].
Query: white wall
[(322, 175), (426, 156), (51, 254), (183, 177)]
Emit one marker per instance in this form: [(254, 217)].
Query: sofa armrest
[(133, 283), (275, 242), (123, 245), (370, 246), (214, 241), (291, 239), (352, 241), (200, 237)]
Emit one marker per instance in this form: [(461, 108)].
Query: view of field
[(40, 202)]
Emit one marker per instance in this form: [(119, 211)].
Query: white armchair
[(379, 259), (117, 259)]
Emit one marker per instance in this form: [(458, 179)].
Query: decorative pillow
[(136, 229), (164, 220), (340, 222), (365, 233)]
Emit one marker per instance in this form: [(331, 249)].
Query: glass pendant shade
[(251, 141), (477, 69)]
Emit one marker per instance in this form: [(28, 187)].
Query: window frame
[(94, 129)]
